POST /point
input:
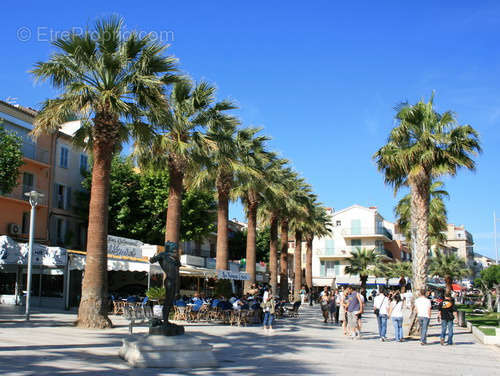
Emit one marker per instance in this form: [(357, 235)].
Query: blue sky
[(321, 78)]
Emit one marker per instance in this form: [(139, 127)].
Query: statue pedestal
[(181, 351)]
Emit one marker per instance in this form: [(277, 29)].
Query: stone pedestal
[(182, 351)]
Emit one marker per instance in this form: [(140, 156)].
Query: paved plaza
[(49, 345)]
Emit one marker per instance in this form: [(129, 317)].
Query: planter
[(483, 338)]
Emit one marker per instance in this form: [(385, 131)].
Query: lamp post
[(34, 198), (495, 220)]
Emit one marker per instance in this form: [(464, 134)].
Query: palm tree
[(362, 262), (437, 214), (114, 84), (250, 184), (319, 225), (449, 267), (298, 222), (220, 164), (423, 146), (176, 146)]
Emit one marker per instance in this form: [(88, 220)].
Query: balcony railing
[(347, 251), (32, 151), (366, 231), (19, 193)]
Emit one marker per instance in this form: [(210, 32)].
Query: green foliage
[(156, 293), (11, 158), (262, 244), (223, 288), (437, 214), (491, 275), (448, 266), (362, 262), (138, 204)]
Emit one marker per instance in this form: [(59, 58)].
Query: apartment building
[(34, 174), (352, 228), (460, 241), (66, 228)]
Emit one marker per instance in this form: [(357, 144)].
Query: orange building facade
[(34, 174)]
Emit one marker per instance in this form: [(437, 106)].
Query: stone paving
[(49, 345)]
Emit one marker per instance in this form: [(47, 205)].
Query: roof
[(70, 127), (27, 110), (355, 206)]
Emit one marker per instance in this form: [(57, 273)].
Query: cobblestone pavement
[(49, 345)]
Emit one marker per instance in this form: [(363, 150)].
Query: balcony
[(35, 153), (367, 232), (346, 251), (20, 190)]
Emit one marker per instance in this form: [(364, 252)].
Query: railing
[(19, 193), (32, 151), (347, 250), (366, 231)]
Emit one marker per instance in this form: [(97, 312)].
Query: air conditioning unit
[(14, 229)]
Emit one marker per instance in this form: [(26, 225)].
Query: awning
[(14, 253)]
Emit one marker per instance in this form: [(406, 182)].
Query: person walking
[(423, 308), (342, 310), (396, 314), (332, 305), (337, 305), (324, 304), (447, 312), (380, 308), (269, 308), (303, 295), (354, 308)]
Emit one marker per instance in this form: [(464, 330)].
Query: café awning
[(14, 253)]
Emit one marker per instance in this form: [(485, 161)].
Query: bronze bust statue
[(169, 262)]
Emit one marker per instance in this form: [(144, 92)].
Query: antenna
[(11, 100)]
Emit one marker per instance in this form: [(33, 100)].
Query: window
[(329, 247), (355, 226), (60, 230), (355, 242), (63, 160), (28, 183), (338, 223), (62, 196), (25, 223), (84, 165), (329, 268)]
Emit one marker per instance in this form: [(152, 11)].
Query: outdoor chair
[(134, 314), (293, 310)]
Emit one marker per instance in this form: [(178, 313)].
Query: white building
[(354, 227), (66, 228)]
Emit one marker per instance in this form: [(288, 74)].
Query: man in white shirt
[(423, 307)]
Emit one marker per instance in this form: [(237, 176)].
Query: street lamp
[(495, 220), (34, 198)]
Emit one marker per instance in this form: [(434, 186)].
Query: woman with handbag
[(324, 304), (269, 309)]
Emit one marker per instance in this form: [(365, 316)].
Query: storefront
[(48, 269)]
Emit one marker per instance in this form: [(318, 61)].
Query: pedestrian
[(303, 294), (423, 308), (447, 312), (354, 309), (324, 304), (342, 310), (269, 308), (338, 297), (358, 316), (380, 308), (332, 305), (396, 314)]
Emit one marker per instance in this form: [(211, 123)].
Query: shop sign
[(227, 274), (124, 247)]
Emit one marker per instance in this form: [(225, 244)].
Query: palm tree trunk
[(173, 226), (273, 253), (449, 281), (252, 204), (222, 230), (284, 259), (309, 257), (363, 279), (93, 309), (297, 259), (420, 187)]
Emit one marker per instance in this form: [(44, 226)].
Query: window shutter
[(322, 269), (68, 197), (56, 191)]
